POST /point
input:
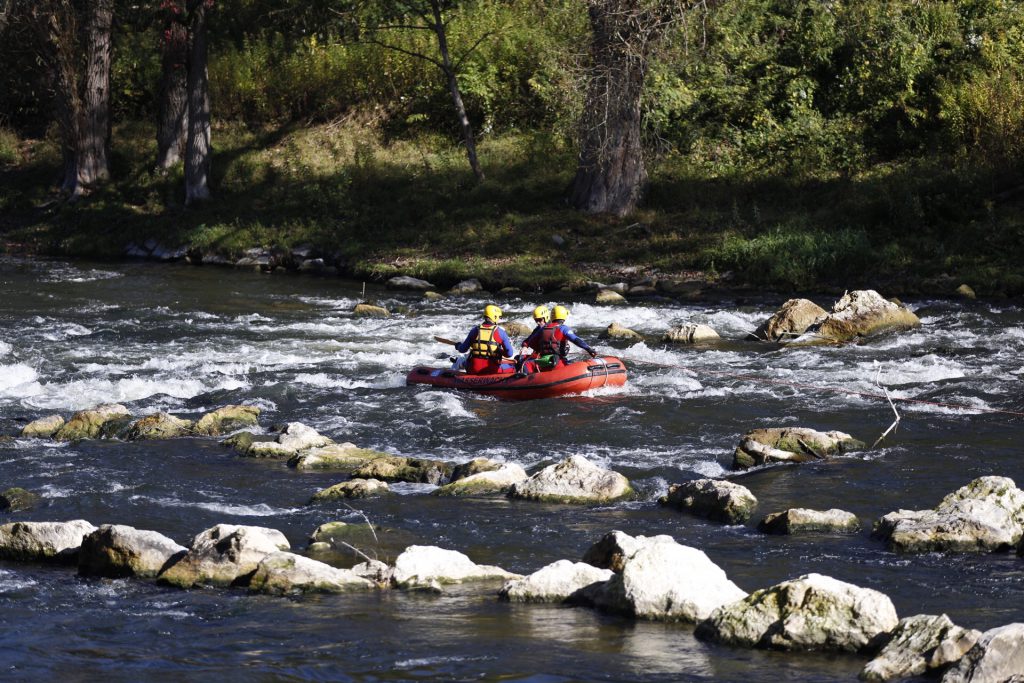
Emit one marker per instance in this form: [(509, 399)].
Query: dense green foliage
[(795, 141)]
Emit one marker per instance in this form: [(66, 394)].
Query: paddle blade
[(445, 341)]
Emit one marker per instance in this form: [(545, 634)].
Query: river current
[(188, 339)]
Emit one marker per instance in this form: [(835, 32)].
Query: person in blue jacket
[(552, 340), (488, 346)]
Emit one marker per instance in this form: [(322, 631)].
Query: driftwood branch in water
[(891, 405)]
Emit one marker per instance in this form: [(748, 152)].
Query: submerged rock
[(561, 581), (158, 426), (43, 541), (790, 444), (224, 555), (716, 499), (812, 612), (802, 520), (343, 545), (983, 516), (16, 499), (343, 457), (43, 428), (790, 321), (116, 551), (89, 424), (574, 480), (857, 314), (690, 333), (483, 483), (398, 468), (666, 581), (353, 488), (227, 419), (998, 656), (281, 573), (422, 566), (920, 644)]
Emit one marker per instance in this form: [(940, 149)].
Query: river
[(188, 339)]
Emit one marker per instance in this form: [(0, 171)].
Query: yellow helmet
[(541, 314), (560, 313), (492, 313)]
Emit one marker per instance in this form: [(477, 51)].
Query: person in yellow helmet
[(487, 345), (553, 338), (541, 316)]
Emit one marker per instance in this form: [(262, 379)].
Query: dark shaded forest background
[(794, 143)]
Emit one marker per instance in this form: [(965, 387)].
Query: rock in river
[(500, 480), (812, 612), (423, 565), (790, 444), (343, 457), (407, 282), (281, 573), (790, 321), (224, 555), (802, 520), (691, 333), (398, 468), (614, 547), (43, 428), (158, 426), (920, 644), (116, 551), (716, 499), (353, 488), (609, 296), (16, 499), (89, 424), (43, 541), (574, 480), (293, 438), (857, 314), (998, 656), (227, 419), (983, 516), (561, 581), (666, 581), (617, 332), (365, 310)]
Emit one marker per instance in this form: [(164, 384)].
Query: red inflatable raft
[(573, 378)]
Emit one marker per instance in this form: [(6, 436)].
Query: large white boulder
[(918, 645), (574, 480), (998, 657), (616, 546), (224, 555), (691, 333), (985, 515), (425, 565), (293, 438), (666, 581), (116, 550), (790, 444), (812, 612), (857, 314), (560, 581), (283, 572), (803, 520), (43, 541)]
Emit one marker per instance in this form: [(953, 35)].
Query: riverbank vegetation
[(792, 144)]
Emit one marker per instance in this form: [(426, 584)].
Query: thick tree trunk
[(611, 176), (197, 148), (94, 144), (453, 89), (173, 118)]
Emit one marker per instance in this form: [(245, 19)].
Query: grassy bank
[(412, 207)]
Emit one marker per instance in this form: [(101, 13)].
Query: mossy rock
[(342, 457), (15, 499), (227, 419), (397, 468), (353, 488)]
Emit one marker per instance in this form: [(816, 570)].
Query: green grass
[(412, 206)]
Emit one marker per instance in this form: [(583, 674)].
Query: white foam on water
[(447, 404), (711, 469), (11, 582), (257, 510), (343, 304), (18, 380), (5, 348), (65, 272), (638, 318), (82, 394), (325, 381), (62, 331)]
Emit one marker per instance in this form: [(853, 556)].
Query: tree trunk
[(94, 146), (610, 177), (197, 148), (173, 118), (453, 89)]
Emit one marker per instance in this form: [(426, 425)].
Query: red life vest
[(552, 341), (486, 344)]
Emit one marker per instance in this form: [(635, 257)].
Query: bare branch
[(417, 55)]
